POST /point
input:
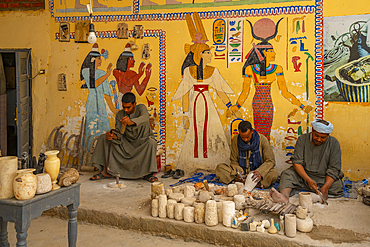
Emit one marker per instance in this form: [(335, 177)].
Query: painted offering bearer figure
[(259, 70), (127, 78), (96, 81), (205, 143)]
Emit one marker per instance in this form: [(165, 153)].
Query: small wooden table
[(22, 212)]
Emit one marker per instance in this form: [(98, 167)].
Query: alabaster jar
[(249, 183), (304, 225), (290, 225), (25, 184), (8, 171), (43, 183), (52, 166), (305, 200)]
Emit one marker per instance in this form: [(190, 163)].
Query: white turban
[(322, 128)]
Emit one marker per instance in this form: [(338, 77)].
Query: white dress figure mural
[(205, 143)]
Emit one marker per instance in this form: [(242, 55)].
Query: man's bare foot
[(106, 174), (278, 197)]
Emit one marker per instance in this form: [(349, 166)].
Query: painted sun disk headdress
[(271, 33)]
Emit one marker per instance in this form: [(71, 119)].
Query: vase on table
[(25, 184), (52, 167), (8, 171)]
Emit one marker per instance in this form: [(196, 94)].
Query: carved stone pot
[(25, 184)]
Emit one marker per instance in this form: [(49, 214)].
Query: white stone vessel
[(239, 201), (162, 206), (199, 212), (304, 225), (249, 183), (8, 171), (179, 211), (43, 183), (290, 225), (155, 207), (189, 214), (211, 218), (228, 211), (305, 200), (171, 209), (232, 190)]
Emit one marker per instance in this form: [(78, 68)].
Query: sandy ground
[(48, 231)]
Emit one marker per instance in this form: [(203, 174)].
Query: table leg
[(21, 228), (72, 225), (4, 233)]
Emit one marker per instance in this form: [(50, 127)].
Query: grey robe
[(317, 161), (133, 154)]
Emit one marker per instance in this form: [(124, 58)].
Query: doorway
[(15, 102)]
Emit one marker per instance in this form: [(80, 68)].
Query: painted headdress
[(122, 60), (89, 63), (198, 37), (263, 30), (127, 51)]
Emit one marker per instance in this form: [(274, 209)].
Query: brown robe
[(133, 154), (227, 173)]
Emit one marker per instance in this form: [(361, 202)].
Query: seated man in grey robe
[(250, 152), (316, 165), (129, 149)]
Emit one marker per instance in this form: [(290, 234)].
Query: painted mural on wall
[(127, 78), (205, 93), (346, 58), (205, 137), (259, 70), (96, 81)]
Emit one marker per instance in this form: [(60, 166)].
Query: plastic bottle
[(362, 183)]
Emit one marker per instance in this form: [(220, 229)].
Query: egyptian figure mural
[(96, 81), (127, 78), (259, 70), (205, 136)]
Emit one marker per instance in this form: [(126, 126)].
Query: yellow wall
[(52, 108)]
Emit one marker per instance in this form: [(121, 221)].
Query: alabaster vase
[(25, 184), (52, 166), (8, 171)]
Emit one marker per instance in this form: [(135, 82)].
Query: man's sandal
[(98, 176), (168, 174), (178, 174), (150, 178)]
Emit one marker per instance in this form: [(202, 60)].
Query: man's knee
[(223, 173), (336, 189), (270, 178), (286, 178)]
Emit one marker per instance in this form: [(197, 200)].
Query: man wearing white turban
[(316, 164)]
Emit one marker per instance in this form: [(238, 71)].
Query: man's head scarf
[(322, 128)]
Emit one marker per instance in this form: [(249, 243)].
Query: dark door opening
[(15, 103)]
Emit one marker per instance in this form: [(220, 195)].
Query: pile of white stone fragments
[(231, 206)]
